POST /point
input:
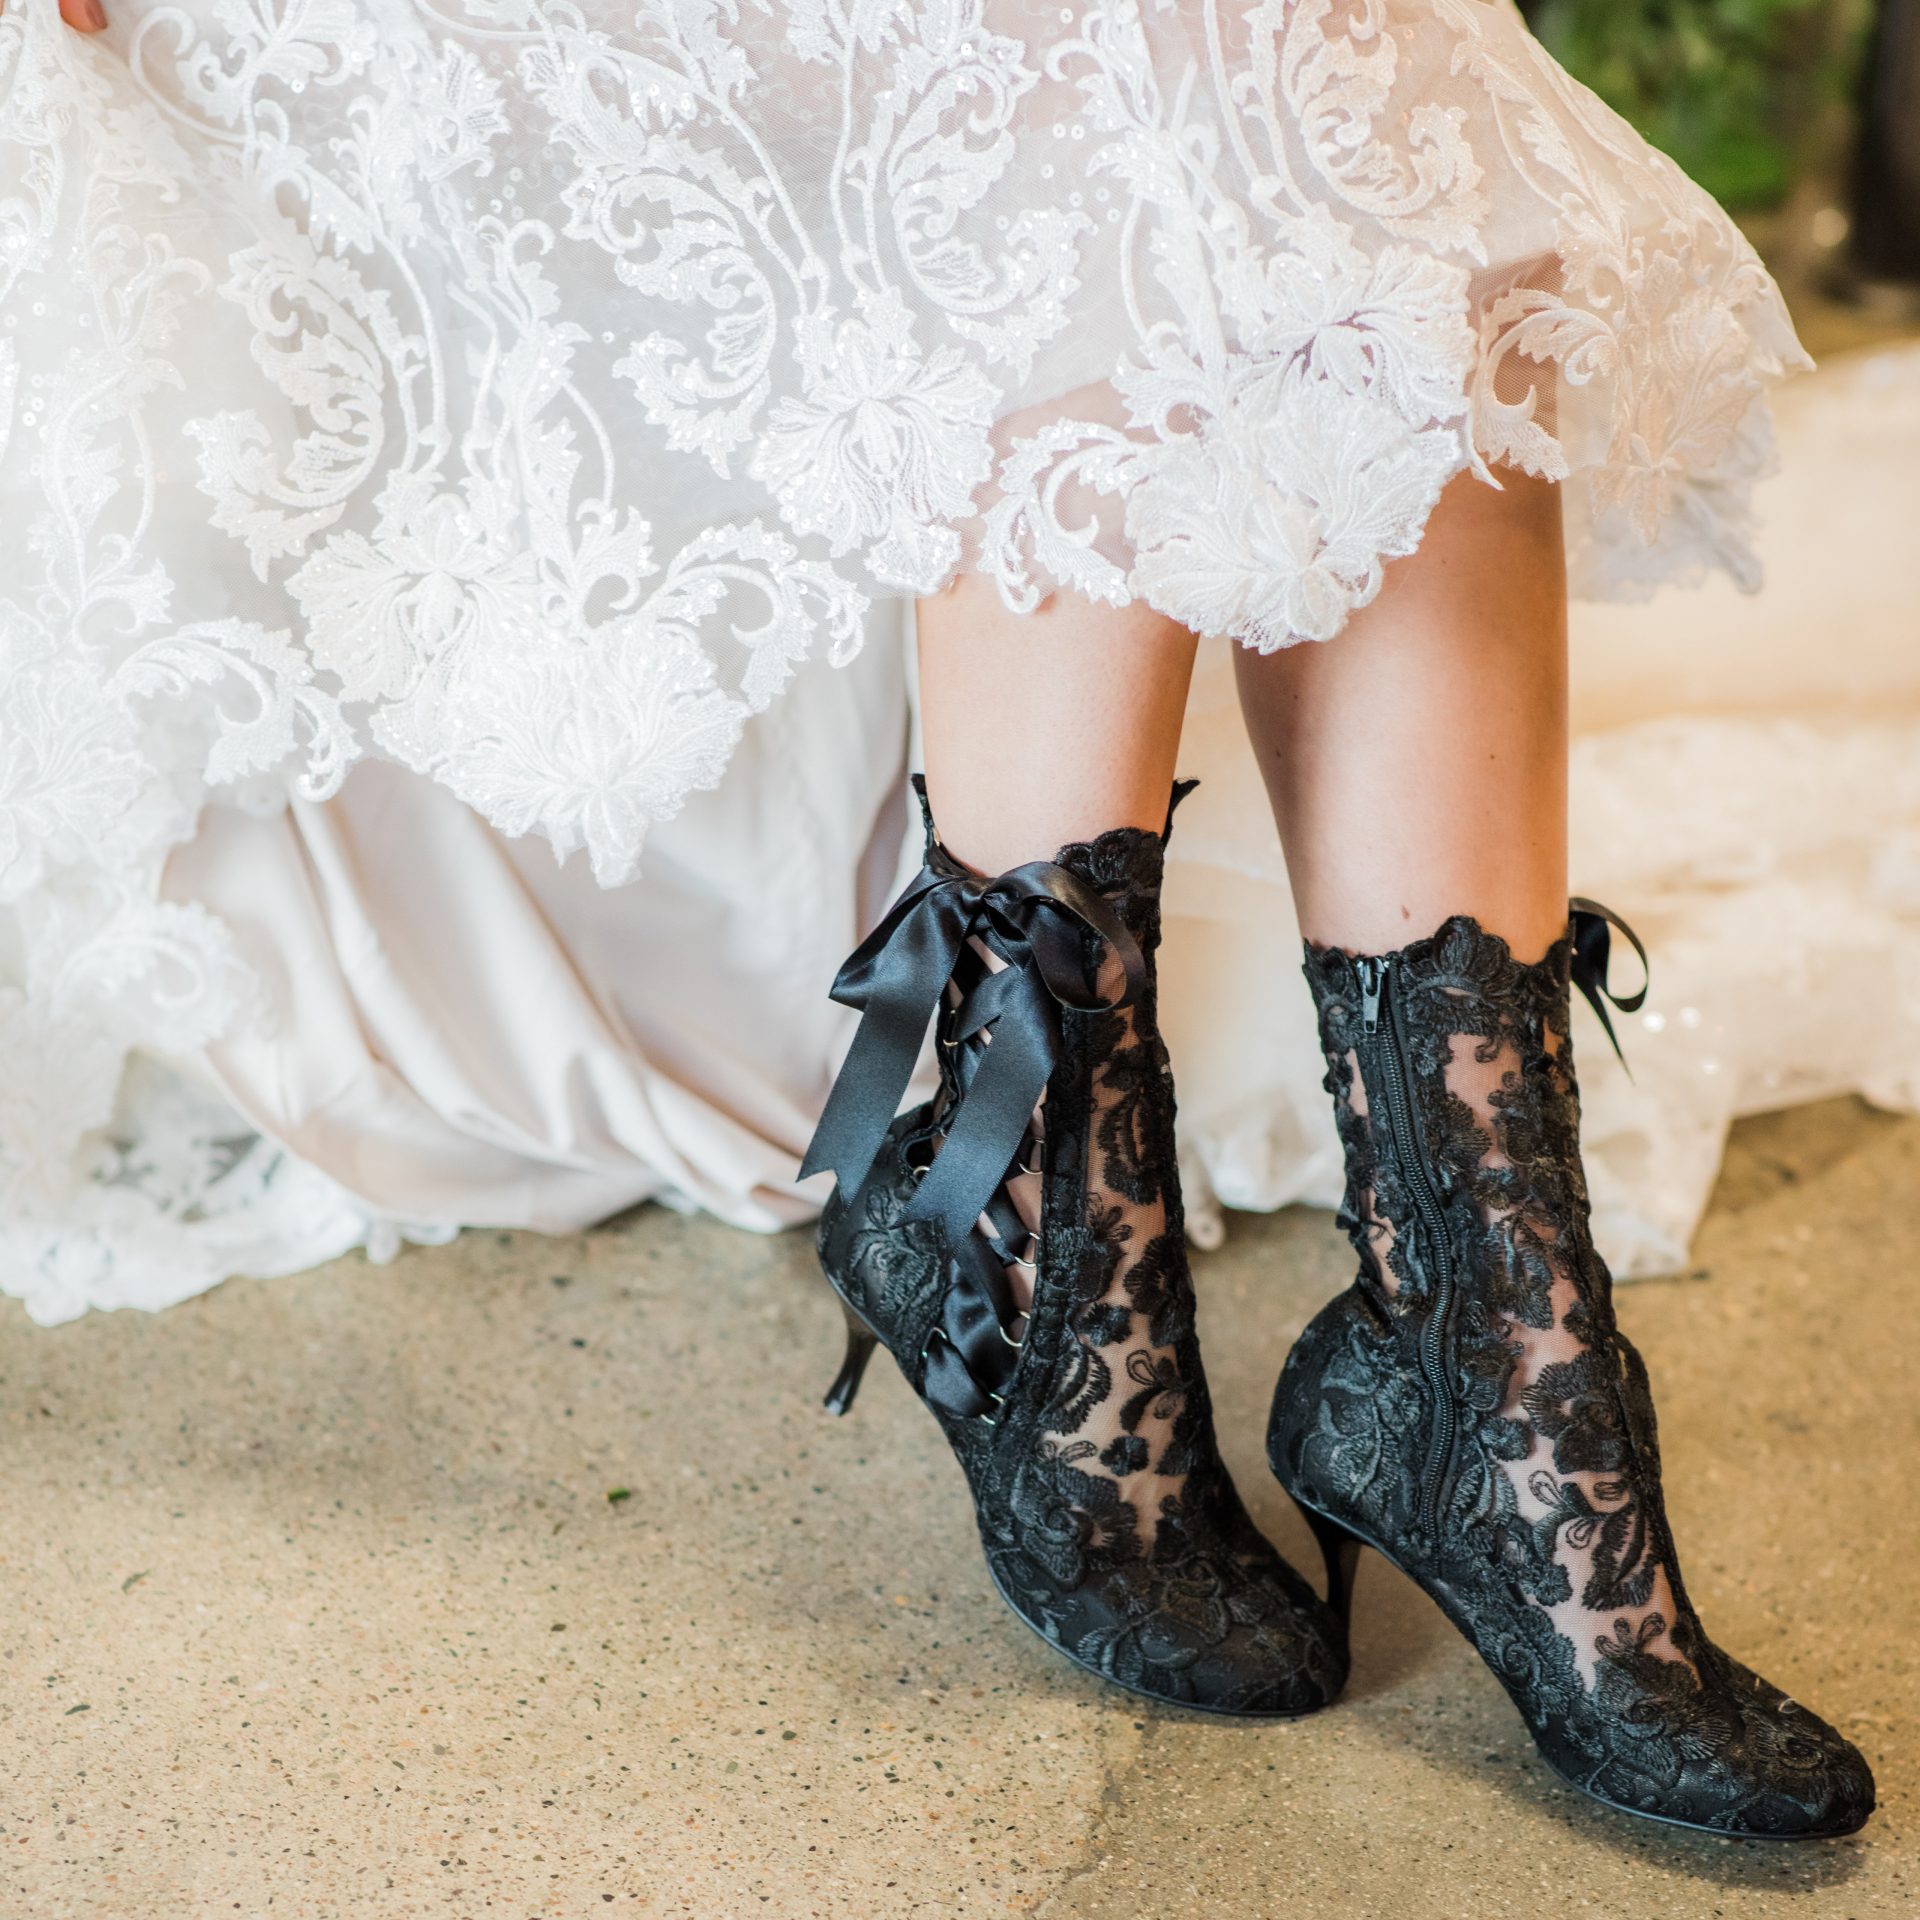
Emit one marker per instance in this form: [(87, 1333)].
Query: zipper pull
[(1373, 980)]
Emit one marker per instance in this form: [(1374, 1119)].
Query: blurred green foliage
[(1729, 88)]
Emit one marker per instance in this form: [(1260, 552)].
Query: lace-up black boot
[(1470, 1408), (1016, 1244)]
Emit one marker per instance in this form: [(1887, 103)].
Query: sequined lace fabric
[(523, 391)]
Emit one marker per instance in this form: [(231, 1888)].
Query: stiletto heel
[(1341, 1551), (861, 1341)]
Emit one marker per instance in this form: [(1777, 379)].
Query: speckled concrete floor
[(314, 1601)]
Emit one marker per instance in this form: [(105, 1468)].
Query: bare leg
[(1047, 727), (1417, 764)]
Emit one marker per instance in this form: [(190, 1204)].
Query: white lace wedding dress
[(512, 397)]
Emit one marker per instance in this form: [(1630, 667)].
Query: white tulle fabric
[(517, 393)]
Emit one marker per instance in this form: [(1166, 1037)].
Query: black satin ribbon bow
[(1592, 945), (1035, 918)]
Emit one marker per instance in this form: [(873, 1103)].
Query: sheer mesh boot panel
[(1573, 1486), (1122, 1393), (1562, 1446)]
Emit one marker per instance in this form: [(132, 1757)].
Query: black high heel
[(1080, 1416), (1340, 1549), (861, 1341), (1471, 1409)]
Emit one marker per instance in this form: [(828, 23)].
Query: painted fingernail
[(90, 15)]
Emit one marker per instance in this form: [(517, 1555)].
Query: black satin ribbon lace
[(1589, 929), (1035, 919)]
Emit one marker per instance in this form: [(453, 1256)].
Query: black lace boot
[(1470, 1409), (1016, 1244)]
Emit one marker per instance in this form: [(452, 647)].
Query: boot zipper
[(1393, 1079)]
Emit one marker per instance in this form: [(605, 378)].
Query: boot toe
[(1209, 1634), (1288, 1659), (1285, 1662), (1848, 1797), (1805, 1779), (1749, 1761)]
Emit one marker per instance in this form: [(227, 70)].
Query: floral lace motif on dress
[(523, 391)]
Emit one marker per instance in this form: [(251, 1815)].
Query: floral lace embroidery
[(524, 393), (1108, 1518), (1480, 1340)]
